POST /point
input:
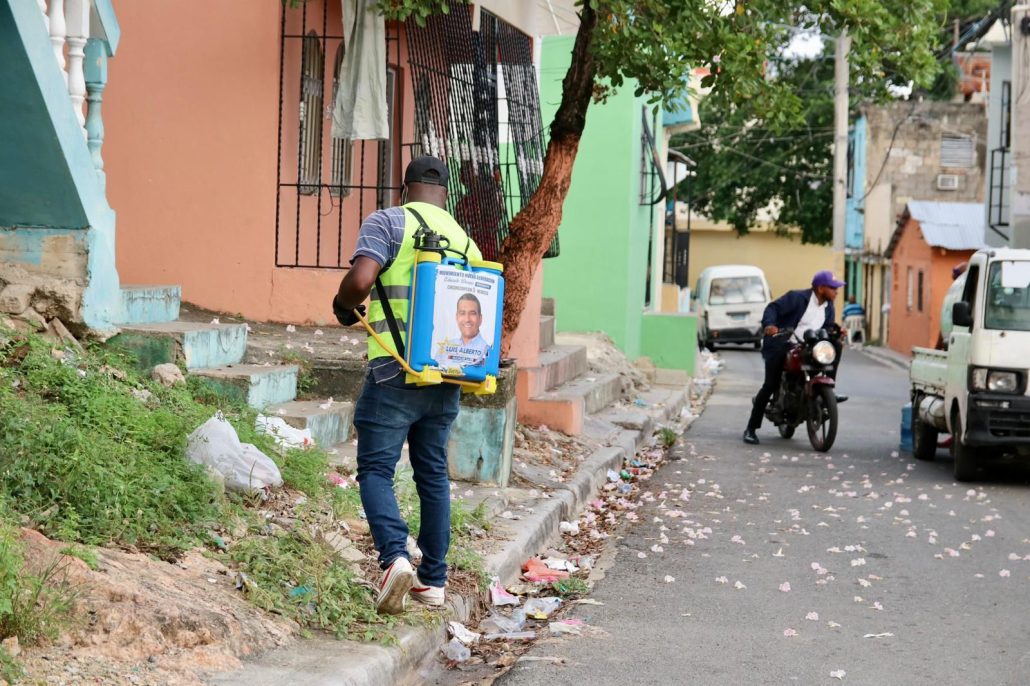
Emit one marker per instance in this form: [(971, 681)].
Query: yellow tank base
[(487, 386), (427, 377)]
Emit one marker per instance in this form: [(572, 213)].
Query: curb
[(328, 662), (885, 359)]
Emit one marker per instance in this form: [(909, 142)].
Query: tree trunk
[(534, 227)]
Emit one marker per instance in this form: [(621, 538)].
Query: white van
[(729, 301)]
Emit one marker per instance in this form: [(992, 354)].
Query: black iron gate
[(476, 105)]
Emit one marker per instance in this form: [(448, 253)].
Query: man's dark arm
[(354, 288), (771, 315)]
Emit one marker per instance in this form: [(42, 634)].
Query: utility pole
[(840, 139)]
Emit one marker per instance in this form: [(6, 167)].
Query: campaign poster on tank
[(464, 318)]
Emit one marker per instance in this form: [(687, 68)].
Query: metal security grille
[(523, 138), (456, 119), (652, 181), (326, 186)]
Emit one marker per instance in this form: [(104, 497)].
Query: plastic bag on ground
[(499, 596), (456, 651), (498, 623), (285, 435), (215, 444), (542, 608)]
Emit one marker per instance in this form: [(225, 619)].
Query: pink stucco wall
[(192, 119)]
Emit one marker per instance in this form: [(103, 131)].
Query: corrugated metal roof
[(950, 225)]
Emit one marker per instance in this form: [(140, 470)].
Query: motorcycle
[(806, 394)]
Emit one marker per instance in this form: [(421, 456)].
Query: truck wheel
[(822, 418), (965, 461), (924, 436)]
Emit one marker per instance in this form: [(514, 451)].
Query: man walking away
[(390, 411)]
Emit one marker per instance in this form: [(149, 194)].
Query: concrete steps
[(547, 329), (596, 392), (329, 425), (150, 304), (198, 345), (258, 386)]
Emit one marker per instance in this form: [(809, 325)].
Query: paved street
[(790, 567)]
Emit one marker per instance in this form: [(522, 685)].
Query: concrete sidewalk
[(883, 355), (616, 433)]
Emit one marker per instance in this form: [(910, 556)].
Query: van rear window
[(736, 289)]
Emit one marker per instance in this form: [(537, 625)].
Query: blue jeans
[(387, 414)]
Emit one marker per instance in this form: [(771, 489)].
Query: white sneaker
[(393, 589), (428, 595)]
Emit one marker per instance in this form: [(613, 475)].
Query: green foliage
[(32, 607), (301, 577), (744, 167), (89, 462), (10, 670), (656, 43), (667, 437), (87, 555), (570, 587), (416, 10)]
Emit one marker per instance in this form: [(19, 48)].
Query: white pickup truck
[(976, 389)]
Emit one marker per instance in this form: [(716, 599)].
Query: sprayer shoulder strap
[(391, 321), (423, 227)]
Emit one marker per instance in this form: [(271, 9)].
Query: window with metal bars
[(326, 186), (310, 114)]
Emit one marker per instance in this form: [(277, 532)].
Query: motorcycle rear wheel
[(822, 418)]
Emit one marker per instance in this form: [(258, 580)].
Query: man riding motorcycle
[(801, 310)]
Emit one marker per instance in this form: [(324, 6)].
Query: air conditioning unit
[(947, 182)]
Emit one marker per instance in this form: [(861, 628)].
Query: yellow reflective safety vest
[(396, 278)]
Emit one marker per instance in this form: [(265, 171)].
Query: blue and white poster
[(464, 317)]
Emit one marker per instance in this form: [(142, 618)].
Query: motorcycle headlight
[(995, 380), (824, 352)]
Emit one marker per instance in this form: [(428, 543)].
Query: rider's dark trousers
[(773, 374)]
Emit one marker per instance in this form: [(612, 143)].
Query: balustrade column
[(96, 81), (58, 30), (78, 34)]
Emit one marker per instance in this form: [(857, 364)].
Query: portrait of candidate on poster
[(464, 318)]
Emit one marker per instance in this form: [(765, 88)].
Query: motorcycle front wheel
[(822, 418)]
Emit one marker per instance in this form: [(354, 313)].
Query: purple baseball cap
[(825, 278)]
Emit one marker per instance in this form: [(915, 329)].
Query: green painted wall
[(47, 177), (670, 340), (598, 281)]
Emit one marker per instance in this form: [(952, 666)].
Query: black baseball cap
[(426, 169)]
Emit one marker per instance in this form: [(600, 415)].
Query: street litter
[(456, 651), (569, 528), (499, 624), (587, 601), (499, 596), (886, 634), (462, 633), (534, 569), (542, 608), (568, 627), (285, 436), (215, 444), (510, 636), (560, 564)]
